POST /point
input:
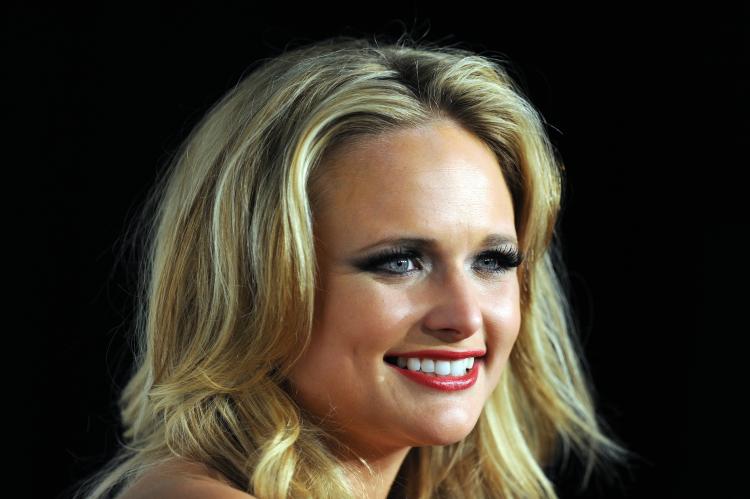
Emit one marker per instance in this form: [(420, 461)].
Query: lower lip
[(443, 383)]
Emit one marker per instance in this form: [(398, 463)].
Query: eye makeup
[(501, 259)]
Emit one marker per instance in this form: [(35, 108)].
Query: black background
[(645, 105)]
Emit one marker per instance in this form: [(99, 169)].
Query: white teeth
[(443, 367), (438, 367), (413, 364), (458, 367)]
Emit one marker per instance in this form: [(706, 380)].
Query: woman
[(351, 290)]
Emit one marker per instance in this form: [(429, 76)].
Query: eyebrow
[(426, 243)]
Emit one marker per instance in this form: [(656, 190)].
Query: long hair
[(228, 278)]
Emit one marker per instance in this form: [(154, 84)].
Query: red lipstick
[(443, 383)]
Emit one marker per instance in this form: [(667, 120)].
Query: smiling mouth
[(439, 374), (434, 367)]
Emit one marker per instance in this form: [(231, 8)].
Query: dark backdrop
[(644, 106)]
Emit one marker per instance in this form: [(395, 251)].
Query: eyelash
[(506, 258)]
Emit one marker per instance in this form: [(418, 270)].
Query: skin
[(438, 182), (181, 479)]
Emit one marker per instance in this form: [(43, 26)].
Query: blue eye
[(400, 264), (500, 261), (394, 261), (403, 261)]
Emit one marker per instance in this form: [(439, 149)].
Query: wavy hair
[(228, 274)]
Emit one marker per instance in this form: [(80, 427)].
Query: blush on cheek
[(510, 308), (507, 323)]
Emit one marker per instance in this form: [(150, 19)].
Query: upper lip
[(439, 354)]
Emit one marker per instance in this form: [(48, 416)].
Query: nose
[(456, 312)]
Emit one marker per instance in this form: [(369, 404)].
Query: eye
[(402, 261), (399, 264), (394, 262), (499, 260)]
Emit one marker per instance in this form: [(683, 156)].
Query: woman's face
[(459, 293)]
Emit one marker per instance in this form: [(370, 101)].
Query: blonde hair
[(229, 274)]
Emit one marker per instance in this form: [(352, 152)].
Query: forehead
[(438, 181)]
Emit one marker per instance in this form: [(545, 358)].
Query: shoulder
[(182, 481)]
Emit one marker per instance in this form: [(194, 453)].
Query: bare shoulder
[(182, 481)]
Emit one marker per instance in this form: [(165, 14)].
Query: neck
[(383, 462)]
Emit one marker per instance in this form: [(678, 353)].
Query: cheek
[(364, 315), (506, 320), (355, 323)]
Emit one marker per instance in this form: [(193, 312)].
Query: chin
[(451, 428)]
